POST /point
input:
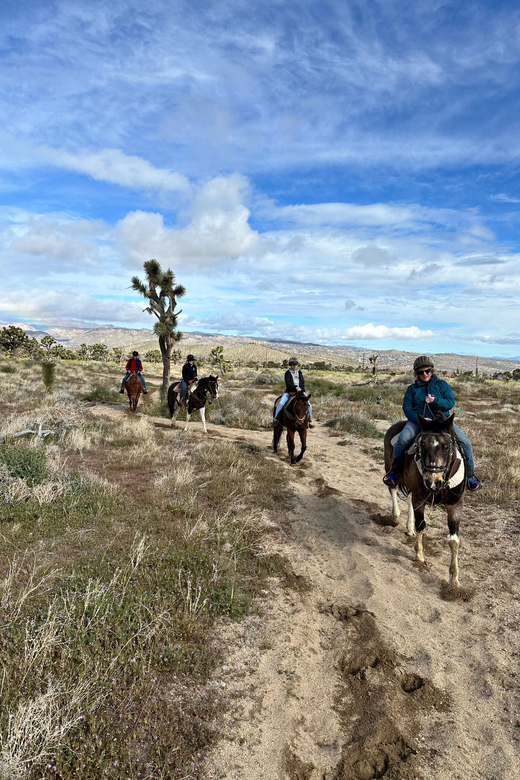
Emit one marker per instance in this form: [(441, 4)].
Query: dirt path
[(360, 669)]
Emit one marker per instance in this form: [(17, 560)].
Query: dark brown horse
[(133, 387), (295, 417), (434, 473), (193, 401)]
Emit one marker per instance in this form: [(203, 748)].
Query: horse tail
[(171, 401)]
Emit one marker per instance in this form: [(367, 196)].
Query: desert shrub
[(266, 379), (321, 386), (242, 410), (7, 368), (103, 395), (354, 422), (23, 462)]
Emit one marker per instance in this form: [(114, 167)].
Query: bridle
[(419, 460), (300, 421)]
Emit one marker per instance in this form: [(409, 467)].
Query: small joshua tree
[(373, 360), (48, 375), (162, 294)]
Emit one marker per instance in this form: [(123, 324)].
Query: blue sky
[(336, 172)]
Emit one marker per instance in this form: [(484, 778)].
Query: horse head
[(301, 409), (436, 451), (209, 384)]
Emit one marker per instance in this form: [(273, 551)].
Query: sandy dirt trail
[(357, 668)]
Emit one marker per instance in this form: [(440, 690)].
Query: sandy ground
[(356, 666)]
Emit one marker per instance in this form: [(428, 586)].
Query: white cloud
[(62, 307), (371, 331)]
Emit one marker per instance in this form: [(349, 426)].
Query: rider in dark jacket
[(294, 383), (433, 398), (189, 375), (134, 364)]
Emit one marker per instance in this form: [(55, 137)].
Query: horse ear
[(309, 396), (424, 422), (448, 422)]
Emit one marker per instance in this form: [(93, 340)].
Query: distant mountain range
[(260, 349)]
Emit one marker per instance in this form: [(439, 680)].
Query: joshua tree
[(99, 352), (162, 294), (153, 356), (84, 352), (117, 354), (13, 340), (47, 343), (373, 359), (217, 358)]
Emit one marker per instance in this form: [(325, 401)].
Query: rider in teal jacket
[(433, 398)]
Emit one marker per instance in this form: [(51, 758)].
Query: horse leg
[(410, 519), (396, 512), (187, 419), (277, 432), (303, 439), (203, 417), (453, 541), (420, 527), (290, 444)]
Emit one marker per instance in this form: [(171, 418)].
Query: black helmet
[(293, 361), (135, 353), (190, 357), (424, 361)]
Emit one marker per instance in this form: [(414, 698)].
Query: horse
[(434, 473), (195, 400), (133, 387), (295, 417)]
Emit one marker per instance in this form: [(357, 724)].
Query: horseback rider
[(189, 376), (433, 398), (134, 364), (294, 383)]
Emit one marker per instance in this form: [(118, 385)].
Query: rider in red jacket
[(134, 364)]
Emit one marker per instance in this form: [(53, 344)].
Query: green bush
[(7, 368), (102, 395), (25, 463), (355, 423)]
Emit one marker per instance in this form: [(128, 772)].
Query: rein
[(422, 468)]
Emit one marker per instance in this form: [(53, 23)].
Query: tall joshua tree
[(162, 294)]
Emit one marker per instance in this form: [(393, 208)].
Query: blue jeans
[(411, 430), (141, 377), (283, 400)]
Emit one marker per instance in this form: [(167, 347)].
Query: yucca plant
[(49, 375)]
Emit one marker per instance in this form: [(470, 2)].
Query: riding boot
[(391, 478)]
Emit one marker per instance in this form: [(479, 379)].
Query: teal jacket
[(414, 402)]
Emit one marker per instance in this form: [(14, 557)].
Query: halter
[(419, 461)]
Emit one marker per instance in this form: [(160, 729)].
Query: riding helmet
[(190, 357), (293, 361), (424, 361)]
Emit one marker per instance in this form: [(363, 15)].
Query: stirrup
[(391, 479)]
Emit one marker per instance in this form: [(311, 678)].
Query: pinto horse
[(133, 387), (193, 401), (434, 473), (295, 417)]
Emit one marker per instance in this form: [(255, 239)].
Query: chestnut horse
[(192, 401), (133, 387), (434, 473), (295, 417)]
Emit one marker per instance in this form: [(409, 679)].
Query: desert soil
[(361, 665)]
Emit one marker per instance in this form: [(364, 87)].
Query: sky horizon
[(323, 172)]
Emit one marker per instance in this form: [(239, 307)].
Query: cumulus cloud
[(371, 331), (62, 307), (218, 228)]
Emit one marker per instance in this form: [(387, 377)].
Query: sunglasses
[(424, 371)]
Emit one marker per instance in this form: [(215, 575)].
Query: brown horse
[(295, 417), (193, 401), (133, 387), (434, 473)]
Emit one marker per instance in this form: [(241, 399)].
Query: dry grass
[(132, 543)]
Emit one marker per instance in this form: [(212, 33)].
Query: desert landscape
[(177, 604)]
